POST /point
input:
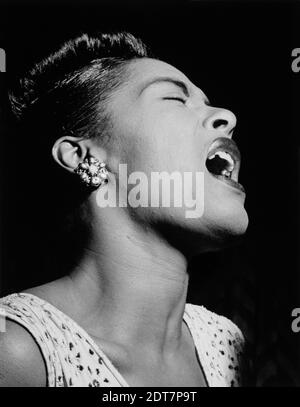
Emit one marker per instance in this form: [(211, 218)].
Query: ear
[(69, 151)]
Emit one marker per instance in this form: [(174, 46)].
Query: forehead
[(145, 69)]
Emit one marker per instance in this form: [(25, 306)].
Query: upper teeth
[(227, 157)]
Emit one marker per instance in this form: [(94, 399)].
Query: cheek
[(173, 142), (159, 140)]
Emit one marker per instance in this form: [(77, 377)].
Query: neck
[(132, 285)]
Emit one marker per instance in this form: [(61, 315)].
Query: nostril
[(217, 123)]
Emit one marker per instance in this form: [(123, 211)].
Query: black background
[(239, 54)]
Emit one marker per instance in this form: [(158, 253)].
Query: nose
[(220, 119)]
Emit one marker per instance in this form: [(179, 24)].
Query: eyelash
[(176, 98)]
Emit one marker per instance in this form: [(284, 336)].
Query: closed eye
[(175, 98)]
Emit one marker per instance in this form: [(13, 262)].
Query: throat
[(141, 368)]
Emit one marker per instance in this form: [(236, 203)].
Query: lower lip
[(230, 182)]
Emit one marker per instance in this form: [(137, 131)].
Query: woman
[(120, 317)]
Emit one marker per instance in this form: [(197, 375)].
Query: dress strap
[(36, 321)]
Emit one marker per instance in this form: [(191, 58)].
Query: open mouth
[(224, 161)]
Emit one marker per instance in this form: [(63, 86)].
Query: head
[(107, 97)]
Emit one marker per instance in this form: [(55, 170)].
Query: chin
[(227, 227), (220, 227), (209, 235), (235, 222)]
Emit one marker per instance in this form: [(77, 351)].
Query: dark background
[(239, 54)]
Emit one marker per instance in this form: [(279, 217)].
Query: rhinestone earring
[(92, 172)]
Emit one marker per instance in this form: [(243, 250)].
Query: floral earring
[(92, 172)]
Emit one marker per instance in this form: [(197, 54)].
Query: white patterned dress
[(72, 358)]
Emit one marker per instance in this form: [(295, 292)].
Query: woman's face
[(163, 123)]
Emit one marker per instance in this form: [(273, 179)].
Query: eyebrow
[(177, 82)]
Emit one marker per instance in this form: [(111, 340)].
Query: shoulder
[(224, 345), (221, 325), (20, 354)]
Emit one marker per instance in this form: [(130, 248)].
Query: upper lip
[(229, 146)]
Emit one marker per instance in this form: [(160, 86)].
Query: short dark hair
[(68, 89), (64, 93)]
